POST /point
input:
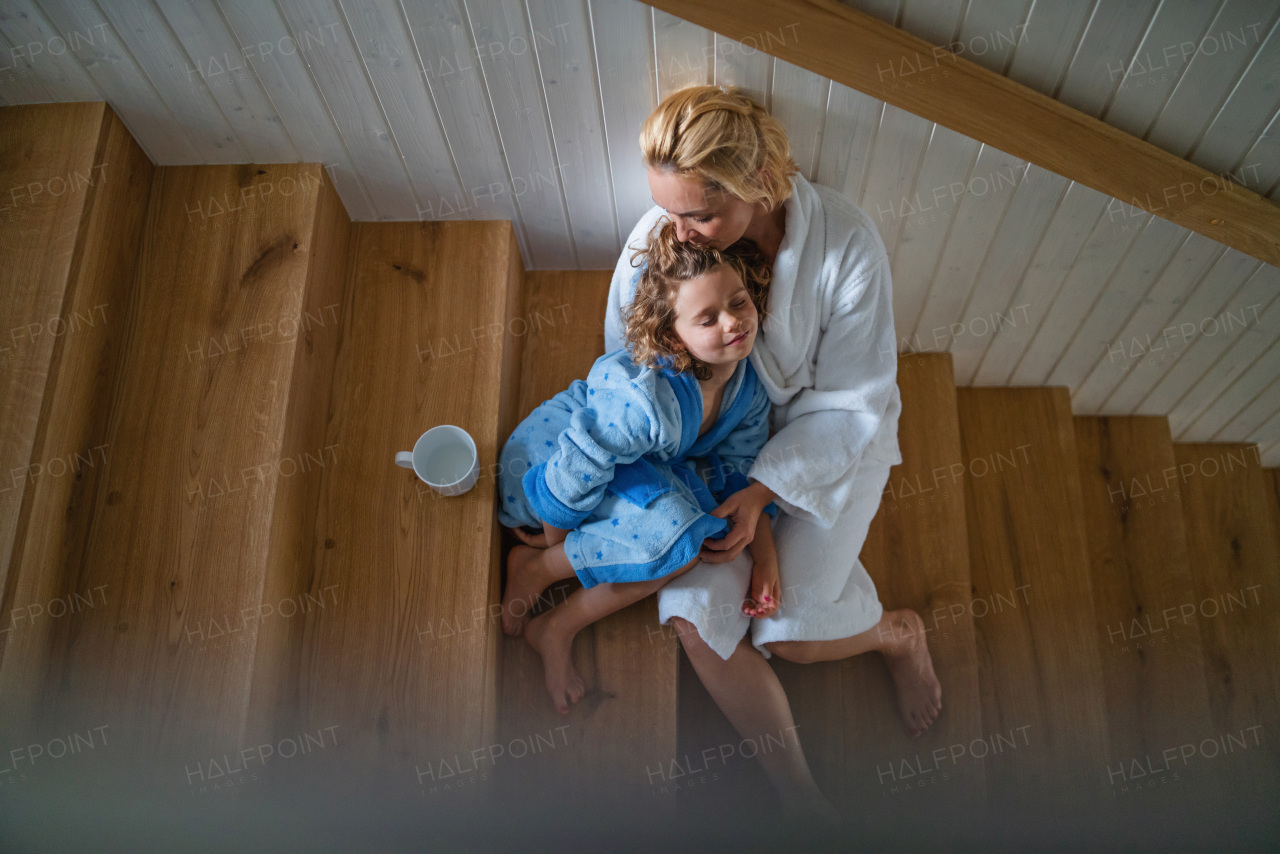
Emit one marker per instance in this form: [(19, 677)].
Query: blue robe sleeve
[(619, 424), (738, 450)]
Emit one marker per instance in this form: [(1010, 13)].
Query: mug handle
[(405, 459)]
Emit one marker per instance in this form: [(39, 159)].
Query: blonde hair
[(650, 318), (722, 136)]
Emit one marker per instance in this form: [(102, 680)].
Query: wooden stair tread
[(1148, 631), (67, 304), (917, 554), (1026, 534), (181, 519), (403, 660), (627, 721), (1234, 547)]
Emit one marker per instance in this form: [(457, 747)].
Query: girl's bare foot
[(764, 596), (556, 648), (907, 655), (524, 585)]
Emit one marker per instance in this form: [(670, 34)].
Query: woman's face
[(703, 217), (715, 317)]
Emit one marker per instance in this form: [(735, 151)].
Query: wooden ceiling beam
[(930, 81)]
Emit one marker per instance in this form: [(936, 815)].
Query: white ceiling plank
[(48, 51), (1113, 33), (279, 64), (1236, 339), (991, 306), (886, 10), (1103, 252), (510, 75), (1076, 215), (450, 61), (1270, 454), (935, 21), (745, 66), (1244, 116), (566, 60), (318, 28), (1151, 253), (1050, 38), (1144, 81), (176, 79), (391, 61), (625, 72), (1140, 343), (851, 123), (683, 51), (222, 63), (915, 228), (1270, 426), (1210, 297), (1219, 60), (799, 100), (895, 159), (19, 82), (991, 31), (127, 89), (1228, 420), (979, 212)]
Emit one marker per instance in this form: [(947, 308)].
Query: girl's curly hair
[(666, 263)]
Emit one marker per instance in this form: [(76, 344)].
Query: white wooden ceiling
[(529, 110)]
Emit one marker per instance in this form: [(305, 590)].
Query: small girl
[(622, 472)]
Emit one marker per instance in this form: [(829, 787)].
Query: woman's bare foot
[(765, 593), (524, 585), (556, 648), (907, 655)]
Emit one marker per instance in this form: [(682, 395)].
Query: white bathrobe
[(827, 356)]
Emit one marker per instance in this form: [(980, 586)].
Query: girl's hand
[(743, 511), (553, 534), (765, 596), (538, 541)]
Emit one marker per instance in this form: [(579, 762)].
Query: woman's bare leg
[(900, 637), (748, 692), (552, 632), (530, 571)]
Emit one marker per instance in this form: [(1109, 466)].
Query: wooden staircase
[(210, 560)]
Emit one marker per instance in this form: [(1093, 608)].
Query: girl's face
[(716, 320), (703, 217)]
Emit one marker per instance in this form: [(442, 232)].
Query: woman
[(720, 167)]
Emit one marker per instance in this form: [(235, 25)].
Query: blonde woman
[(719, 166)]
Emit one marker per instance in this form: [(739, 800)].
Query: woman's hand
[(743, 510)]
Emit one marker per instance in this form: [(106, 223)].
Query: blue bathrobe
[(617, 460)]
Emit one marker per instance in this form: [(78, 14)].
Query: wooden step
[(1148, 625), (401, 660), (626, 724), (197, 438), (1038, 665), (76, 188), (917, 553), (1234, 547)]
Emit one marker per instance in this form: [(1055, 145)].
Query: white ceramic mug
[(444, 458)]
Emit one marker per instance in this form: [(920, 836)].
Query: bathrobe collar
[(738, 392)]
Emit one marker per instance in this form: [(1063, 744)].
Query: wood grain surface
[(50, 521), (1038, 666), (1234, 550), (1148, 626)]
